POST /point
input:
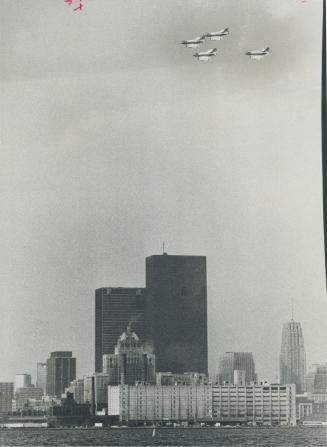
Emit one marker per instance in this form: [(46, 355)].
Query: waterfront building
[(239, 361), (100, 390), (69, 413), (292, 356), (6, 397), (141, 403), (304, 406), (37, 406), (41, 376), (22, 380), (24, 394), (187, 378), (176, 312), (255, 404), (61, 370), (130, 363), (76, 388), (115, 309)]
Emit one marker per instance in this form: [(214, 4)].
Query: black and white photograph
[(163, 230)]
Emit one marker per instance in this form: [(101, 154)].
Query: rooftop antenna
[(163, 248)]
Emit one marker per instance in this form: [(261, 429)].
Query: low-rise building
[(23, 395), (256, 404), (142, 402)]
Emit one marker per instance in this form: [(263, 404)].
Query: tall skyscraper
[(176, 312), (130, 363), (41, 376), (236, 361), (115, 309), (292, 356), (61, 370)]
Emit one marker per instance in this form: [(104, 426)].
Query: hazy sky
[(114, 139)]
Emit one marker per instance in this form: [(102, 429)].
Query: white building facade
[(160, 403), (257, 404)]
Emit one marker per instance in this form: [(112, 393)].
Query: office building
[(255, 404), (130, 363), (22, 380), (320, 380), (25, 394), (115, 309), (239, 361), (292, 356), (142, 403), (176, 312), (61, 370), (76, 388), (100, 398), (6, 397), (41, 376)]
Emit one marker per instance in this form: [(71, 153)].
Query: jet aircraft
[(259, 54), (218, 34), (206, 55), (193, 43)]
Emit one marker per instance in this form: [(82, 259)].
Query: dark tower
[(115, 309), (176, 312), (61, 370), (324, 126), (231, 361)]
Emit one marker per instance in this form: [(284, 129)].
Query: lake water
[(237, 437)]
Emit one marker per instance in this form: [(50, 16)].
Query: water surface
[(237, 437)]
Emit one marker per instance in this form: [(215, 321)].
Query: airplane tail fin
[(226, 30), (214, 50), (267, 49), (204, 36)]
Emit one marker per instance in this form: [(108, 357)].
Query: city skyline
[(112, 146), (132, 317)]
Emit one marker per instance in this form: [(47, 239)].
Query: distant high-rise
[(116, 308), (41, 376), (235, 361), (292, 356), (61, 370), (176, 312), (6, 397), (130, 363), (316, 379), (22, 380)]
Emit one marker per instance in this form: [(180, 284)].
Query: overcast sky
[(114, 139)]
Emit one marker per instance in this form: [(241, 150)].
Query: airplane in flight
[(259, 54), (193, 43), (218, 34), (206, 55)]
